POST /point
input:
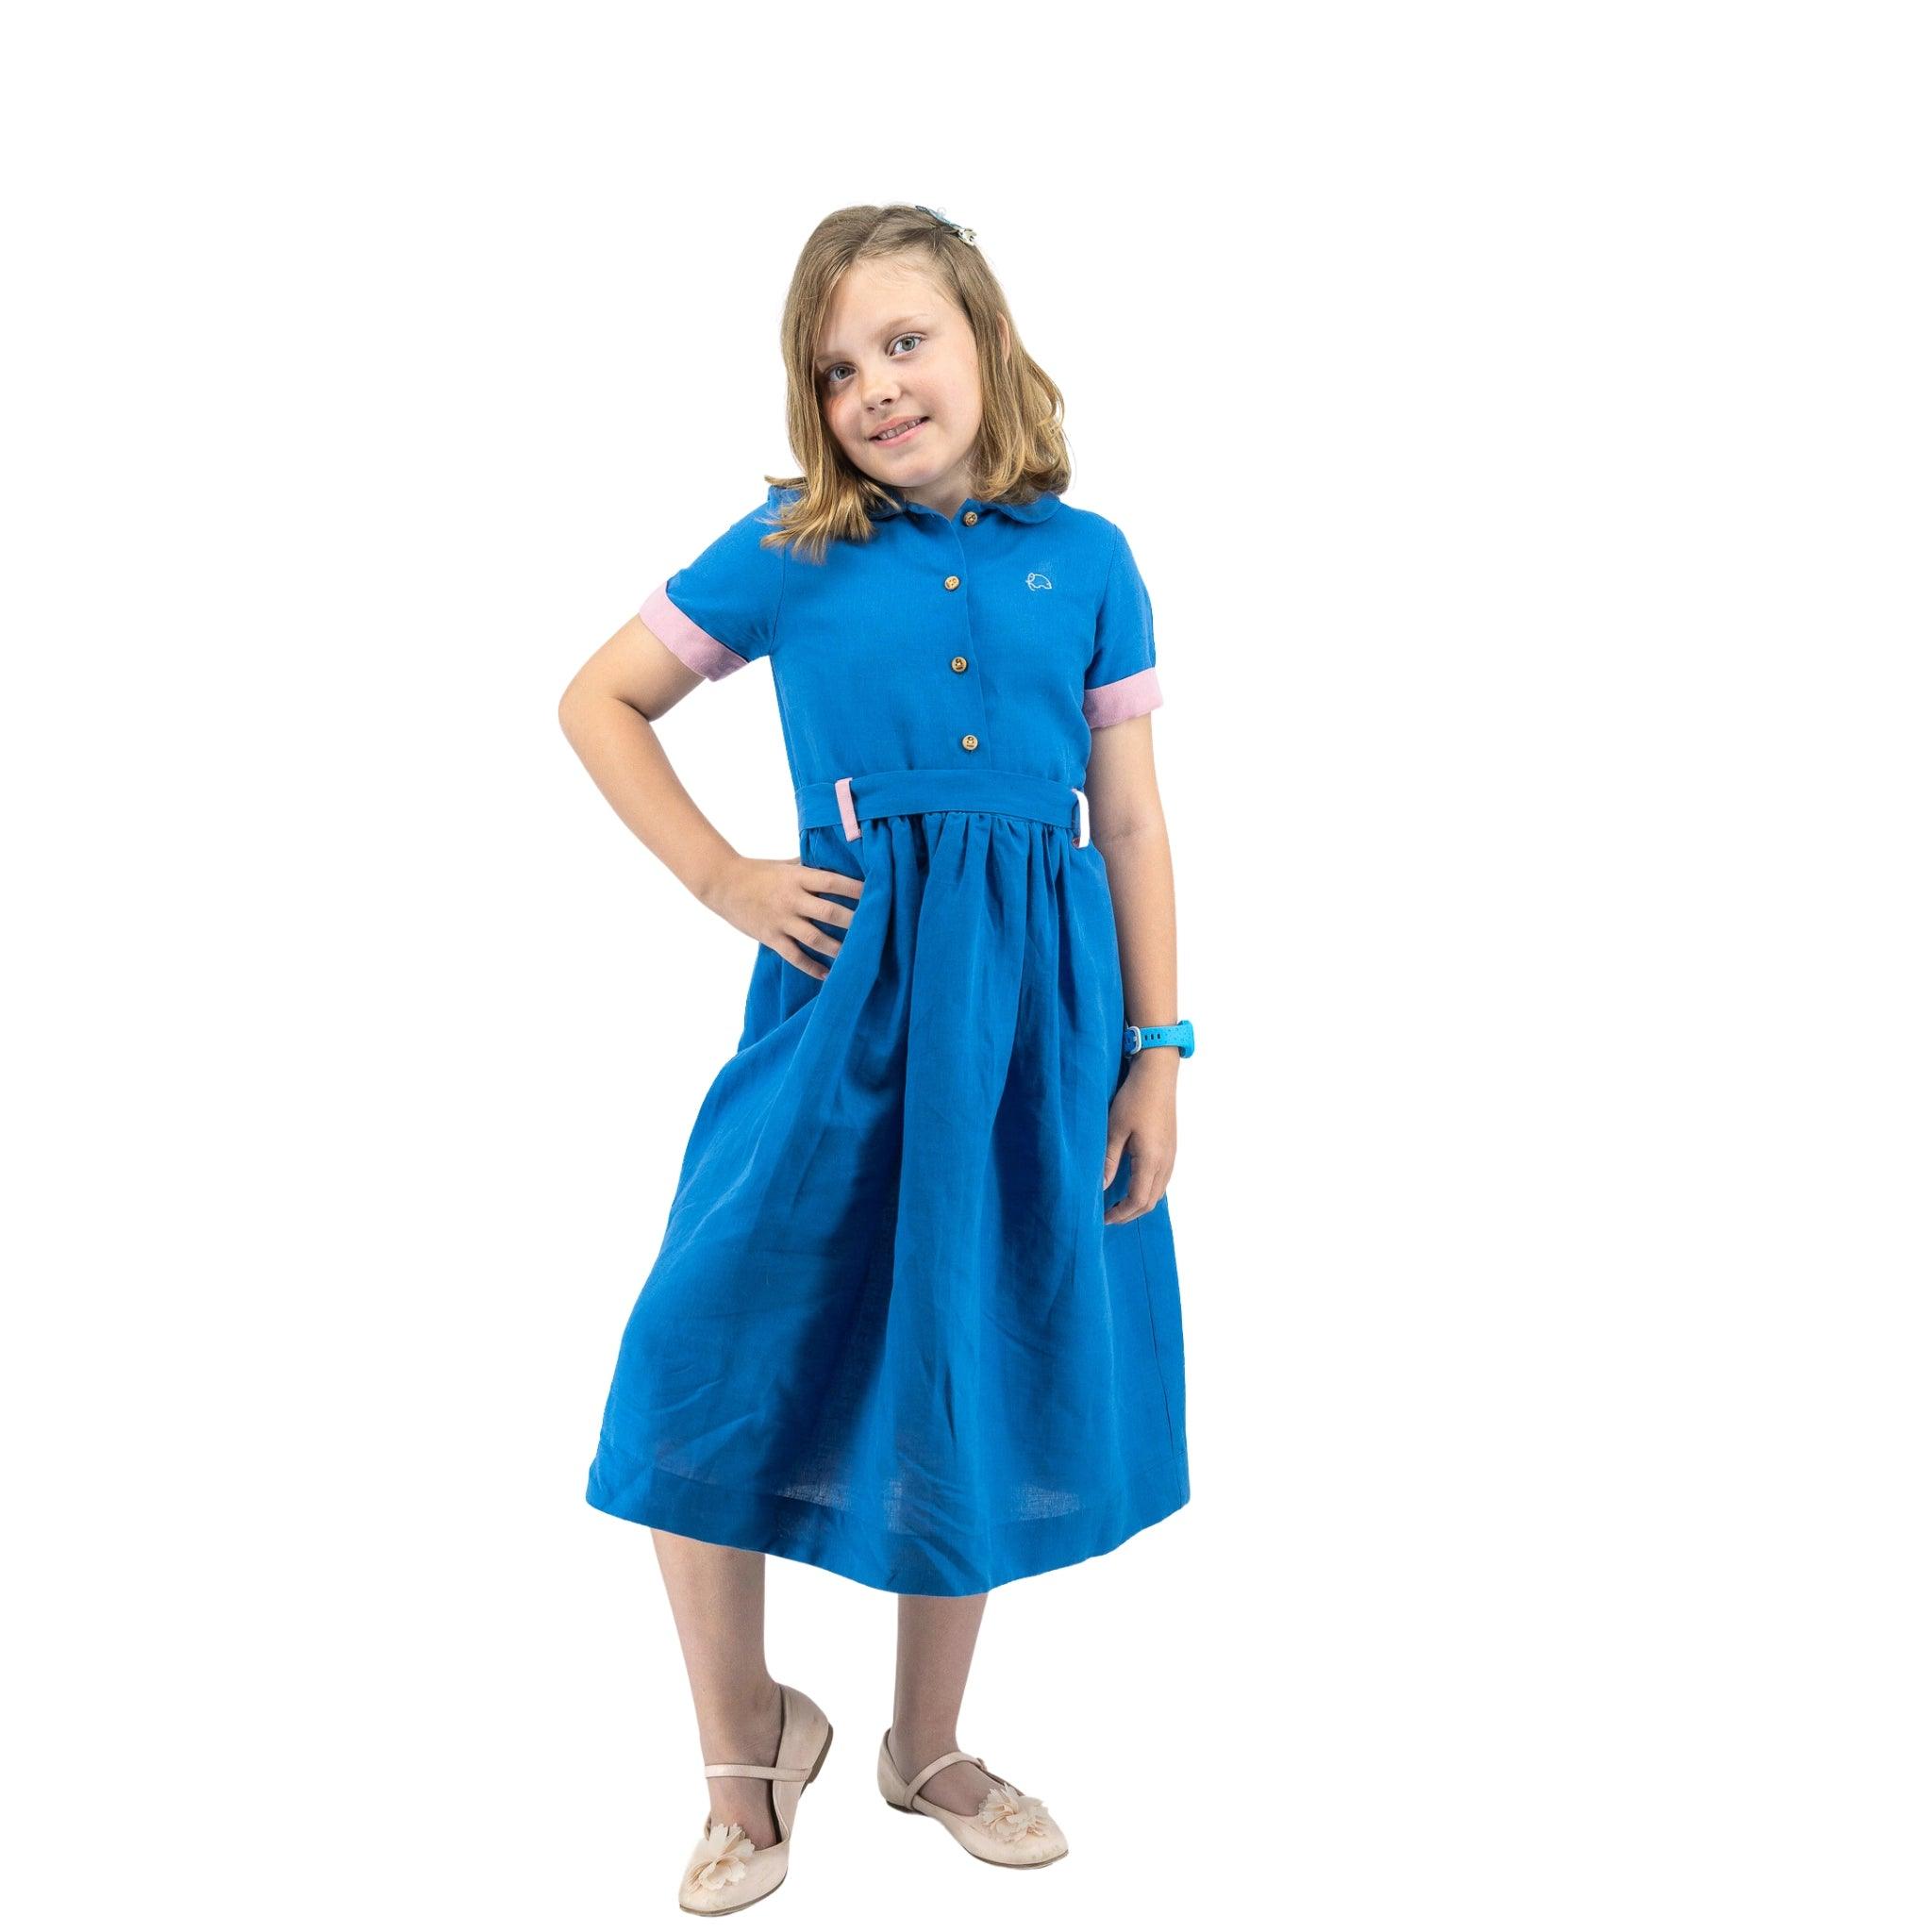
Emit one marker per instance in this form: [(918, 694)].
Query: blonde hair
[(1020, 452)]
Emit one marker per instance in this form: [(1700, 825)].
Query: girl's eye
[(910, 335)]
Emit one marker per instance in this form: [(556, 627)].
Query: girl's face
[(894, 349)]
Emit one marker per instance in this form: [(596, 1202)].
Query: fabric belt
[(886, 794)]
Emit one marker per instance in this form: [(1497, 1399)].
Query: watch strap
[(1181, 1034)]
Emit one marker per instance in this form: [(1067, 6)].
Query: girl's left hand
[(1141, 1122)]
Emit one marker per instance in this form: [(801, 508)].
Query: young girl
[(916, 1317)]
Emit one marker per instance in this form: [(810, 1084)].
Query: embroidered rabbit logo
[(1039, 580)]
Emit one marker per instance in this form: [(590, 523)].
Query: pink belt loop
[(1080, 833), (847, 817)]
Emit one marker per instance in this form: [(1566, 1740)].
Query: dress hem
[(811, 1532)]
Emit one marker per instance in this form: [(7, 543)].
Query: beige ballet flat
[(726, 1872), (1010, 1828)]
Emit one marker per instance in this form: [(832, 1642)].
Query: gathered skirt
[(888, 1331)]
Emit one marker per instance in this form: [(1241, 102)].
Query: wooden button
[(958, 663), (972, 516), (952, 583), (971, 742)]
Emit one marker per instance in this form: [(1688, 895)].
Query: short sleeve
[(721, 612), (1121, 680)]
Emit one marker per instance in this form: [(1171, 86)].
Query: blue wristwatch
[(1180, 1034)]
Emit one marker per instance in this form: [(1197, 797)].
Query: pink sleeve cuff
[(696, 648), (1126, 697)]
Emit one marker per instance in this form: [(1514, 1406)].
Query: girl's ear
[(1005, 339)]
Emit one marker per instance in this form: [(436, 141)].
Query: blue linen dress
[(888, 1331)]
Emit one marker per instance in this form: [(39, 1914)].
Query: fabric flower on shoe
[(1010, 1814), (721, 1858)]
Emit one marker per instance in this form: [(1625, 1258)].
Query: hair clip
[(964, 234)]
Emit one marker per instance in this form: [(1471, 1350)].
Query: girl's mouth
[(901, 434)]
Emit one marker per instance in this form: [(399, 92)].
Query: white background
[(1520, 416)]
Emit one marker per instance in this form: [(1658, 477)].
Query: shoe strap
[(778, 1772), (940, 1764)]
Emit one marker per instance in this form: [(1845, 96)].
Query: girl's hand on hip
[(1141, 1122), (775, 900)]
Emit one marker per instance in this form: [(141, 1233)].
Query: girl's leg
[(935, 1638), (718, 1600)]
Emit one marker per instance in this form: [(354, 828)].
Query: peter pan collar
[(1036, 511)]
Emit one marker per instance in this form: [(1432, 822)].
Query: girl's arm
[(607, 711), (1127, 822)]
